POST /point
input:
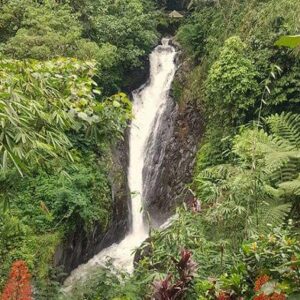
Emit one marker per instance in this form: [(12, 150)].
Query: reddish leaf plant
[(224, 296), (18, 285), (166, 290), (259, 283)]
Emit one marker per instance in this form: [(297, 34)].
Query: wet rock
[(135, 77), (166, 178)]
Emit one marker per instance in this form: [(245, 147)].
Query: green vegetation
[(239, 65), (231, 86), (245, 236), (62, 67), (35, 97), (125, 31), (55, 157), (117, 35), (45, 31)]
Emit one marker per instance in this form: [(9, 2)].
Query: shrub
[(231, 86)]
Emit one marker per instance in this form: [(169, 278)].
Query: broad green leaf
[(291, 41)]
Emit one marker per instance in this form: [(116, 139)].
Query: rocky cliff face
[(171, 168), (80, 246)]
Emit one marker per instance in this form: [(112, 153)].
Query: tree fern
[(285, 159), (286, 127), (211, 183), (272, 214), (260, 189), (281, 165), (291, 187)]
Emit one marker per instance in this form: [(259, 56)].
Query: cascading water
[(149, 104)]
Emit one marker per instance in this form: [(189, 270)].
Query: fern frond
[(280, 164), (291, 187), (272, 192), (272, 215), (282, 152), (286, 126)]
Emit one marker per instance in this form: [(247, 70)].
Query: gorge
[(151, 102)]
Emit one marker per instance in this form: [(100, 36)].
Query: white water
[(149, 102)]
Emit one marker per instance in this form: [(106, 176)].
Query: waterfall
[(149, 104)]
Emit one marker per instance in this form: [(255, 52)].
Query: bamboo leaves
[(40, 102)]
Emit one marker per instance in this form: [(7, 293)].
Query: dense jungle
[(220, 168)]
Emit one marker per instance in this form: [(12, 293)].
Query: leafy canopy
[(125, 24), (46, 30)]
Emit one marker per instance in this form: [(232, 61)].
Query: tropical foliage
[(63, 65), (62, 112), (231, 85), (117, 34), (40, 103), (243, 234), (44, 31), (55, 141)]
